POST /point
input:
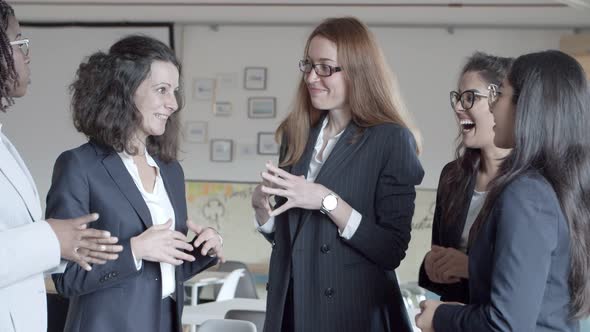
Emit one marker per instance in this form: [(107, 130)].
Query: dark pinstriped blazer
[(348, 285), (448, 234)]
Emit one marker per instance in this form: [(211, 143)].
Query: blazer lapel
[(301, 168), (167, 186), (18, 175), (116, 169), (457, 230), (342, 152)]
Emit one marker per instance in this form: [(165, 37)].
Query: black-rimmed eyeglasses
[(23, 44), (321, 69), (467, 98)]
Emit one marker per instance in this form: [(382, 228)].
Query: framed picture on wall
[(195, 131), (255, 78), (222, 108), (261, 107), (221, 150), (267, 144), (204, 88)]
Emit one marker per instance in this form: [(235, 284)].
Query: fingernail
[(89, 268), (96, 215), (106, 234), (103, 248)]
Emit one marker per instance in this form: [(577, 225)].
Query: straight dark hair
[(551, 137), (8, 75), (103, 93), (492, 69)]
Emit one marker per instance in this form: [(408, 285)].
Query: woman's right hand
[(161, 244)]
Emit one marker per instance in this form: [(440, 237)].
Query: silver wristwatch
[(329, 203)]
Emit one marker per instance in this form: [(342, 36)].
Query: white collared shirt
[(314, 168), (161, 210)]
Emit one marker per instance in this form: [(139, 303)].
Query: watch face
[(330, 202)]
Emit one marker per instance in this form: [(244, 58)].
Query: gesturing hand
[(161, 244), (210, 238), (84, 245), (298, 192)]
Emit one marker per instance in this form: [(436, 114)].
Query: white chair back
[(226, 325), (228, 289)]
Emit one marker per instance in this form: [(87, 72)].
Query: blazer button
[(272, 244), (325, 248), (329, 292), (267, 286)]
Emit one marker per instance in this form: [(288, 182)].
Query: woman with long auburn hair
[(344, 191), (529, 258)]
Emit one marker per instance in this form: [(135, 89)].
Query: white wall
[(426, 61)]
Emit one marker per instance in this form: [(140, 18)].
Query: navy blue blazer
[(115, 296), (448, 233), (519, 266), (348, 285)]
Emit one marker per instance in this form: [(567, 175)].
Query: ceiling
[(496, 13)]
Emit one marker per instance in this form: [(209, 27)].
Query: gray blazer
[(348, 285), (115, 296), (518, 266), (28, 246)]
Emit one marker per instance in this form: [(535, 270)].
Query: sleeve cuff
[(352, 225), (268, 227), (138, 262)]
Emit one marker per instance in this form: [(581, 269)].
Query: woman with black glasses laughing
[(463, 183)]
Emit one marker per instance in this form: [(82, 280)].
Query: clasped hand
[(159, 243), (446, 265), (299, 192)]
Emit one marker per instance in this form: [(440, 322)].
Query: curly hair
[(103, 92), (8, 75)]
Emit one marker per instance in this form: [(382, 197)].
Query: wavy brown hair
[(8, 75), (103, 93), (373, 95)]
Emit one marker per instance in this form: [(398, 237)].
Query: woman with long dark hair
[(529, 261), (463, 183), (345, 191)]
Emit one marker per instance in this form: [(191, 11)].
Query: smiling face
[(156, 100), (21, 61), (326, 93), (476, 123), (504, 112)]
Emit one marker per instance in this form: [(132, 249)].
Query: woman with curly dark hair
[(126, 102)]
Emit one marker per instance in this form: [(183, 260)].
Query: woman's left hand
[(298, 192), (426, 315), (210, 238)]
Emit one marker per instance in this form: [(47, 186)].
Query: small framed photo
[(196, 131), (221, 150), (255, 78), (261, 107), (267, 144), (204, 89), (222, 108)]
